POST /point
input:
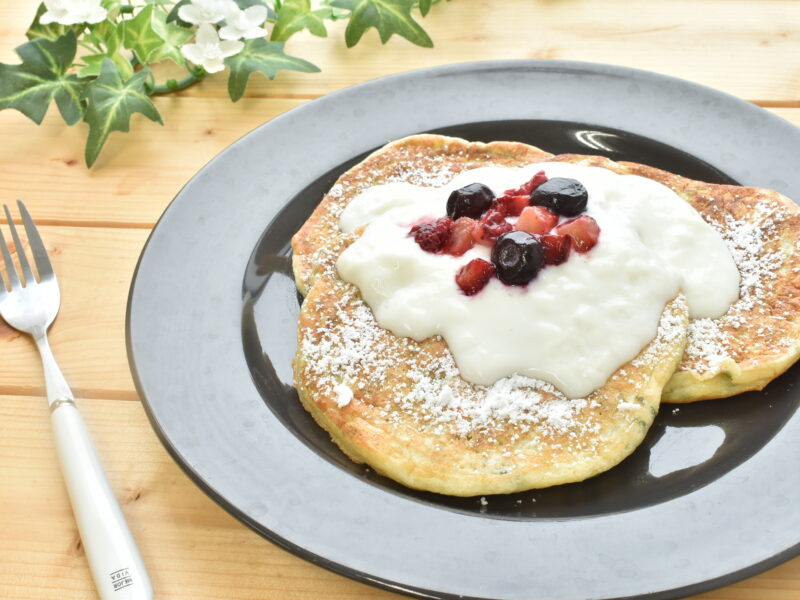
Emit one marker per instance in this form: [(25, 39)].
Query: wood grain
[(96, 222), (94, 267), (193, 549)]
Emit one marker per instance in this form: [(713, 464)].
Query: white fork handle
[(116, 565)]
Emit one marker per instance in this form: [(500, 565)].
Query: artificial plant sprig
[(93, 58)]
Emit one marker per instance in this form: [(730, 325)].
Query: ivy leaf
[(112, 101), (41, 78), (173, 37), (108, 34), (259, 55), (138, 35), (296, 15), (113, 7), (424, 7), (387, 16), (51, 31)]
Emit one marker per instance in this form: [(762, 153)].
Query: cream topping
[(573, 325)]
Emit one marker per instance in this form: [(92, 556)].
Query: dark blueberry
[(469, 201), (517, 256), (562, 195)]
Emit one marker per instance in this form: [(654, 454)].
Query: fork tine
[(13, 280), (23, 260), (37, 246)]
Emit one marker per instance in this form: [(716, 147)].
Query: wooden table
[(95, 223)]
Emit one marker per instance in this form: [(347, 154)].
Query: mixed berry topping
[(461, 238), (490, 227), (469, 201), (521, 227), (583, 230), (537, 219), (433, 235), (562, 195), (474, 275), (556, 248), (517, 257)]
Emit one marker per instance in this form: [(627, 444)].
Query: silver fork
[(30, 305)]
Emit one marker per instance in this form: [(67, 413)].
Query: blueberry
[(469, 201), (562, 195), (517, 256)]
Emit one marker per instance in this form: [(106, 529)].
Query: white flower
[(208, 51), (244, 24), (205, 11), (71, 12)]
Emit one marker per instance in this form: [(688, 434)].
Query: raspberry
[(512, 206), (433, 235), (527, 188), (490, 227), (474, 275)]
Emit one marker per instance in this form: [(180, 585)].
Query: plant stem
[(175, 86), (126, 9)]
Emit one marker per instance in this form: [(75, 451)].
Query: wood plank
[(739, 47), (140, 172), (193, 549), (94, 267)]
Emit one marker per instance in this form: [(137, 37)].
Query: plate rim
[(573, 67)]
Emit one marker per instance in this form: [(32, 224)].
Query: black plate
[(706, 500)]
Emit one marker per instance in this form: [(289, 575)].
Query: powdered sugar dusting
[(353, 351), (713, 343)]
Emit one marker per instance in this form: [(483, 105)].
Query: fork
[(30, 305)]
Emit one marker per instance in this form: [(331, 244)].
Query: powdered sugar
[(354, 352), (750, 240)]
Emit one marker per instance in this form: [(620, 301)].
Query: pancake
[(759, 337), (401, 406)]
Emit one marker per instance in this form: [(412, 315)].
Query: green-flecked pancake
[(401, 406)]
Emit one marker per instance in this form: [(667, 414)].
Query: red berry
[(536, 219), (583, 230), (460, 239), (556, 248), (526, 189), (474, 275), (433, 235), (491, 226), (512, 205)]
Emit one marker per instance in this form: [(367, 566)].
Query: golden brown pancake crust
[(400, 405), (744, 350)]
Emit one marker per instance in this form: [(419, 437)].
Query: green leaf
[(41, 78), (424, 7), (387, 16), (259, 55), (112, 100), (296, 15), (51, 31), (109, 35), (173, 37), (113, 7), (138, 35)]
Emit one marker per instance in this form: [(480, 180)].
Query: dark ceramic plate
[(709, 497)]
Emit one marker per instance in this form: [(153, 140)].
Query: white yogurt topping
[(573, 325)]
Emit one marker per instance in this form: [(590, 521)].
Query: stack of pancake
[(400, 405)]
